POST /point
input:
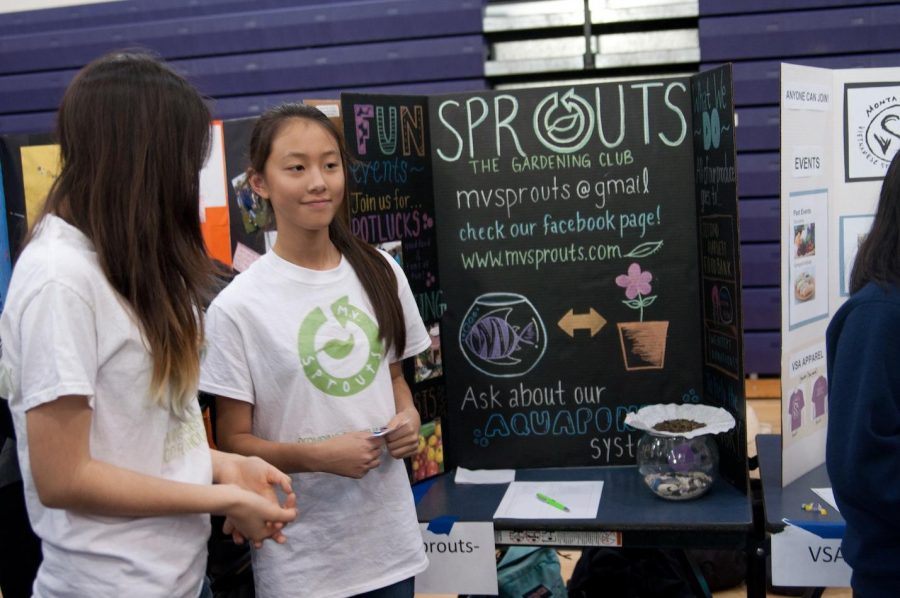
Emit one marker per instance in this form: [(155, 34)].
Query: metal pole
[(588, 53)]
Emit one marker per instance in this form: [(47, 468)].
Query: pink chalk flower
[(637, 287), (635, 282)]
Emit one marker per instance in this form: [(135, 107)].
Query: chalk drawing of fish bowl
[(502, 335)]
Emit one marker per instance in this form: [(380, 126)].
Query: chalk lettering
[(607, 448), (483, 400), (552, 114), (523, 396)]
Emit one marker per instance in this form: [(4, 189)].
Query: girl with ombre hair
[(101, 338)]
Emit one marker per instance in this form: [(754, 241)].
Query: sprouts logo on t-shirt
[(184, 436), (332, 356)]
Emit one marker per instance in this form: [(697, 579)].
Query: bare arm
[(67, 477), (351, 455), (403, 441)]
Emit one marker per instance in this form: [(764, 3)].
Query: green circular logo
[(347, 316)]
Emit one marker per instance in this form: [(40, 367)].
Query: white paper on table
[(827, 494), (521, 502), (484, 476)]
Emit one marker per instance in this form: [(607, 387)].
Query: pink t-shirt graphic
[(819, 394), (795, 408)]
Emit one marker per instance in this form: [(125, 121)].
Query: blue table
[(629, 513), (784, 502)]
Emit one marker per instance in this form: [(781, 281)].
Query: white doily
[(714, 419)]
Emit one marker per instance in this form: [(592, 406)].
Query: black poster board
[(392, 207), (247, 215), (720, 269), (568, 252)]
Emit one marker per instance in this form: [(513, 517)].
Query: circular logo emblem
[(883, 133), (337, 366), (564, 124)]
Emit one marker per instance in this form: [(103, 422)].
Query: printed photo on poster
[(854, 230), (429, 458), (393, 249), (805, 286), (806, 392), (795, 410), (808, 268), (805, 240), (429, 362), (255, 212), (871, 129)]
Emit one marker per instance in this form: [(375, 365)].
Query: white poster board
[(213, 182), (837, 138), (801, 558), (462, 561)]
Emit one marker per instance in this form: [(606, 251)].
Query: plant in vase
[(643, 343), (677, 455)]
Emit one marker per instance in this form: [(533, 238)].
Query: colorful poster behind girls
[(40, 167), (392, 207), (214, 198), (32, 164), (39, 163)]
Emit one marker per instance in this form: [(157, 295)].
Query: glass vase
[(675, 467)]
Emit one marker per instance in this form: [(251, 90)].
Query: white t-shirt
[(65, 331), (302, 346)]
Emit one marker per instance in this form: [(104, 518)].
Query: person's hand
[(257, 476), (253, 517), (404, 440), (351, 455), (253, 474)]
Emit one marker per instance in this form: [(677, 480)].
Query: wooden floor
[(763, 417)]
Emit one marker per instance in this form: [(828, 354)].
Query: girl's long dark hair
[(374, 272), (133, 137), (878, 258)]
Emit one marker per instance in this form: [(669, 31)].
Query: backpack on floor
[(630, 573), (529, 572)]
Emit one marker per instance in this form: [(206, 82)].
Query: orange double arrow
[(590, 321)]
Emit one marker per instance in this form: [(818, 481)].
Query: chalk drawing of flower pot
[(643, 343)]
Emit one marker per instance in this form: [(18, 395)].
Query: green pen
[(553, 503)]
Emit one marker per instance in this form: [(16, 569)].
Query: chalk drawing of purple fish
[(494, 339)]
